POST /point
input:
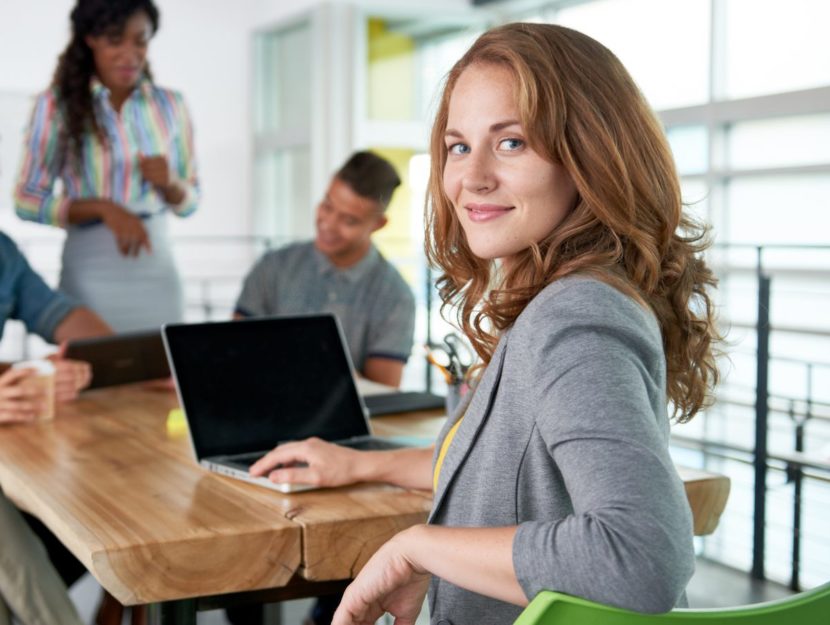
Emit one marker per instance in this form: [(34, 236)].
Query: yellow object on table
[(176, 423)]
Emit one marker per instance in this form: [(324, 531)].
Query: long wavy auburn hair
[(76, 65), (580, 108)]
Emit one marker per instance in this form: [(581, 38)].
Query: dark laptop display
[(247, 385), (122, 358)]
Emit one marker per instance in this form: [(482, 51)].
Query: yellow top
[(436, 472)]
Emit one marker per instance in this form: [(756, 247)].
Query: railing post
[(797, 476), (761, 418)]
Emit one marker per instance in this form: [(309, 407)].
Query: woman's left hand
[(71, 377), (390, 582)]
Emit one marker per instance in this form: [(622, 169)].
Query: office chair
[(553, 608)]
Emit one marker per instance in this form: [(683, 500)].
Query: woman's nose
[(479, 174)]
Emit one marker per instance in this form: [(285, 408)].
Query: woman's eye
[(511, 144), (458, 148)]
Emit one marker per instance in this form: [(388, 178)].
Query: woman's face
[(505, 195), (120, 57)]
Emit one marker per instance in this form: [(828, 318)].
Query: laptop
[(122, 358), (246, 386)]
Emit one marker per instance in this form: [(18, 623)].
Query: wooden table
[(152, 526)]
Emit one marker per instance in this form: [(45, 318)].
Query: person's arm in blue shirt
[(53, 316)]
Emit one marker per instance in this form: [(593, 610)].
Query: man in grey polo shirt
[(342, 272)]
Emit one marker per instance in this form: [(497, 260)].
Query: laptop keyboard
[(244, 461), (373, 444)]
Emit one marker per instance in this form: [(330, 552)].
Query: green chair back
[(552, 608)]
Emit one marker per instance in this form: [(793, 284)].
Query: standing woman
[(121, 149), (556, 219)]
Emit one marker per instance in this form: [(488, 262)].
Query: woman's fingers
[(288, 453)]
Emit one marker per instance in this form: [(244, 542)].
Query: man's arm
[(383, 370), (79, 324)]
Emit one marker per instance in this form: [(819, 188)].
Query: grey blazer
[(566, 437)]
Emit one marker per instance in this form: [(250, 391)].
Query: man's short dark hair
[(370, 176)]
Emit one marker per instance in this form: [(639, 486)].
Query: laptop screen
[(247, 385)]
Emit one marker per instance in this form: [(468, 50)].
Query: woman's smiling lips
[(486, 212)]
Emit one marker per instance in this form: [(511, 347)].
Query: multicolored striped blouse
[(153, 121)]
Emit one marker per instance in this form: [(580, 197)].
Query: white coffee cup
[(45, 378)]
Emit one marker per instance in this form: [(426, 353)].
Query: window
[(282, 131), (665, 45), (773, 46)]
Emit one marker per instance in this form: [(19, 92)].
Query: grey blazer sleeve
[(599, 412)]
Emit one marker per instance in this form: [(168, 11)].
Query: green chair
[(552, 608)]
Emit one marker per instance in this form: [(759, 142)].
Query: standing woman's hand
[(20, 399), (128, 229), (156, 171)]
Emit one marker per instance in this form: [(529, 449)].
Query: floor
[(713, 585)]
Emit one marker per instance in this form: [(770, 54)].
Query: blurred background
[(281, 91)]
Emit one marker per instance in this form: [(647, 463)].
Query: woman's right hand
[(312, 461), (20, 399), (128, 229)]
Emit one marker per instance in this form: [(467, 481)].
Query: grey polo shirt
[(373, 303)]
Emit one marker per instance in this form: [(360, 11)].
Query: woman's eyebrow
[(452, 132), (505, 124)]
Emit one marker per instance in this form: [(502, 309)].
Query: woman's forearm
[(479, 559), (86, 210), (407, 468)]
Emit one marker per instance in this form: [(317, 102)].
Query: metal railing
[(800, 410)]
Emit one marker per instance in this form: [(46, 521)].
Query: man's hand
[(71, 377), (21, 398)]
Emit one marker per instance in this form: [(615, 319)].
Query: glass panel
[(283, 205), (780, 209), (695, 195), (773, 46), (436, 57), (408, 60), (665, 45), (690, 145), (391, 71), (780, 142), (283, 82)]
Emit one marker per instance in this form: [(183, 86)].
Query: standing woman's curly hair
[(76, 65), (580, 108)]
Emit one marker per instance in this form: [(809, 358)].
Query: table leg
[(182, 612)]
